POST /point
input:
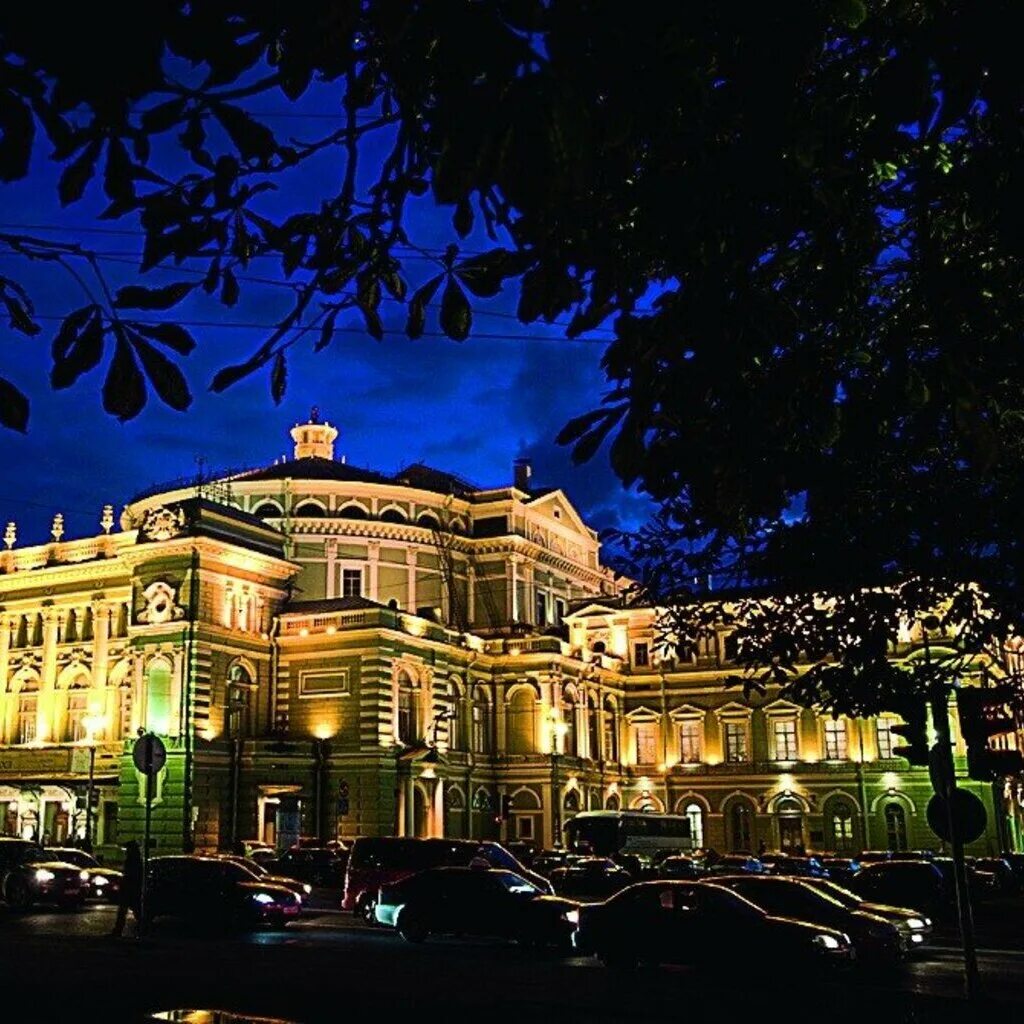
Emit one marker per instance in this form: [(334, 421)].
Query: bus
[(640, 832)]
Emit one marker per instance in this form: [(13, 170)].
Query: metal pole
[(965, 917), (865, 821), (556, 810), (145, 844), (88, 797)]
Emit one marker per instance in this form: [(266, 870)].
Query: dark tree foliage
[(804, 221)]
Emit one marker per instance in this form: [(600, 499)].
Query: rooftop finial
[(11, 535), (57, 528), (314, 439), (314, 414)]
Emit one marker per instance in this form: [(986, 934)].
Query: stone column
[(372, 565), (47, 720), (513, 587), (470, 595), (6, 625), (437, 815), (331, 553), (410, 594), (100, 642)]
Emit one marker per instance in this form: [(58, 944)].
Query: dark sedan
[(476, 901), (29, 876), (917, 883), (102, 884), (702, 923), (213, 891), (916, 926), (593, 878), (682, 867), (876, 940), (260, 874), (317, 865)]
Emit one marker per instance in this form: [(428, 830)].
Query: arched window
[(895, 826), (571, 804), (520, 722), (307, 509), (71, 627), (407, 727), (612, 802), (457, 721), (598, 647), (124, 710), (611, 731), (741, 827), (158, 696), (393, 515), (570, 744), (840, 821), (351, 512), (239, 692), (267, 510), (696, 815), (593, 730), (481, 738), (428, 520)]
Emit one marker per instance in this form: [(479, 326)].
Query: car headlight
[(83, 876), (826, 941), (572, 916), (263, 897), (44, 875), (307, 888), (915, 923), (100, 880)]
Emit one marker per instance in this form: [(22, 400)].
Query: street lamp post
[(558, 731), (93, 724)]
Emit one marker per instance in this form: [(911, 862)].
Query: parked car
[(374, 862), (876, 940), (841, 869), (874, 856), (261, 874), (701, 923), (548, 860), (214, 890), (1004, 881), (476, 901), (523, 851), (797, 865), (916, 926), (682, 867), (590, 878), (29, 876), (734, 863), (102, 884), (317, 865), (916, 883), (1016, 862)]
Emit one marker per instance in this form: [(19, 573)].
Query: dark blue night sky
[(470, 408)]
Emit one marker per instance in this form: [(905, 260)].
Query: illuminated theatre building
[(332, 651)]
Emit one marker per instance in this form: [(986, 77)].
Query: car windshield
[(515, 884), (235, 872), (77, 857), (848, 899), (33, 855), (788, 900)]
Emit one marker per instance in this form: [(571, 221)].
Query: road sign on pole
[(968, 811), (149, 755)]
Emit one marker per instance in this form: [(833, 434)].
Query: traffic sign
[(969, 811), (149, 754)]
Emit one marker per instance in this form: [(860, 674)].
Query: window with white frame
[(736, 747), (646, 743), (690, 741), (641, 655), (835, 740), (78, 705), (524, 826), (352, 582), (883, 737), (560, 609), (784, 739), (541, 605), (28, 706)]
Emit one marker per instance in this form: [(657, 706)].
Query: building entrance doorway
[(791, 827)]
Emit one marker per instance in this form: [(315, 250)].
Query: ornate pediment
[(163, 523)]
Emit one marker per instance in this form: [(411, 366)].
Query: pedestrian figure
[(131, 889)]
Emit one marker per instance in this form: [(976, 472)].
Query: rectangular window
[(835, 740), (641, 655), (332, 683), (784, 739), (77, 706), (883, 736), (351, 582), (541, 602), (524, 826), (690, 741), (646, 743), (27, 719), (736, 742), (560, 610)]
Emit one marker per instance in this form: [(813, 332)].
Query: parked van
[(374, 862)]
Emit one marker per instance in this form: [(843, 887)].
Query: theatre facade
[(327, 650)]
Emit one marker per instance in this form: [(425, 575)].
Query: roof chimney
[(314, 439), (521, 473)]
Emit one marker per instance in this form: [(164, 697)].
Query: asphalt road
[(328, 967)]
